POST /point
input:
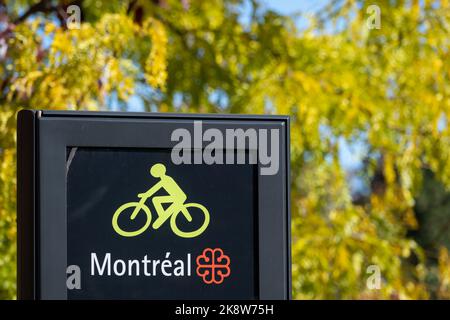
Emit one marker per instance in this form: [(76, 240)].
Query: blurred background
[(366, 84)]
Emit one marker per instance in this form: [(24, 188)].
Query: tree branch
[(43, 6)]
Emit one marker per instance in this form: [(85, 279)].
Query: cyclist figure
[(175, 196), (177, 200)]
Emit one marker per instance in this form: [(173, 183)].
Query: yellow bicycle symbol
[(177, 200)]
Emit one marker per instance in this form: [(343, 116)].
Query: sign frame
[(42, 141)]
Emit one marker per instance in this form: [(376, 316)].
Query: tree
[(386, 89)]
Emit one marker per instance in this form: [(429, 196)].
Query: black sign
[(152, 206)]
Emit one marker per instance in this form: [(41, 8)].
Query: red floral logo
[(213, 266)]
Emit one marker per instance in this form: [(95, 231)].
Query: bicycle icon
[(176, 197)]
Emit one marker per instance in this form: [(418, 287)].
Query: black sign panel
[(158, 263), (105, 210)]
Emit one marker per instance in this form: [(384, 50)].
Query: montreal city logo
[(213, 267)]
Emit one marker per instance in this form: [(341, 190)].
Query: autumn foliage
[(381, 94)]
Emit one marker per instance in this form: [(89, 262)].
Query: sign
[(152, 206)]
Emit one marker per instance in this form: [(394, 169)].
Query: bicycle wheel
[(196, 232), (124, 207)]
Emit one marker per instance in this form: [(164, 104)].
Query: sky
[(292, 6), (289, 7)]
